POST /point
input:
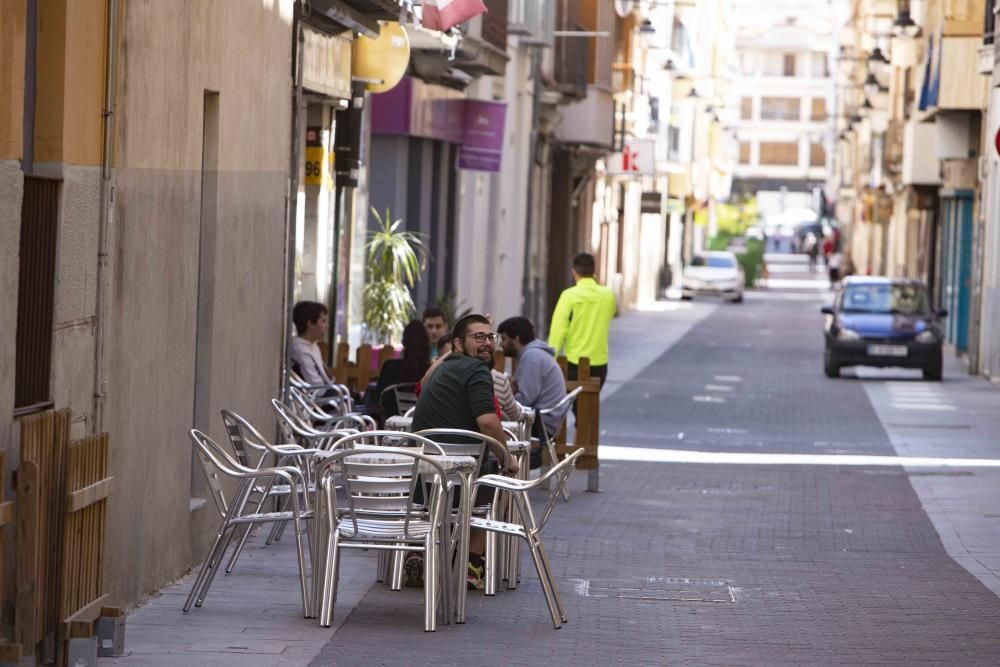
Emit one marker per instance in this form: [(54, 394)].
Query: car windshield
[(885, 299), (713, 261)]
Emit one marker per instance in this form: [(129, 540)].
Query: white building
[(782, 99)]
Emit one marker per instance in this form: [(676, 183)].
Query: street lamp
[(877, 57), (904, 26), (872, 85), (867, 107)]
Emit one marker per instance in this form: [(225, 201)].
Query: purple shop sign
[(482, 141)]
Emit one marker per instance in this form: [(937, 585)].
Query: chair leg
[(552, 579), (398, 557), (300, 548), (382, 569), (215, 561), (444, 573), (239, 549), (546, 584), (490, 564), (430, 582), (203, 572), (328, 596)]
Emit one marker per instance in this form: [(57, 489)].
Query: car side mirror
[(941, 312), (827, 310)]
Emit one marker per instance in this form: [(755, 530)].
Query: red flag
[(445, 14)]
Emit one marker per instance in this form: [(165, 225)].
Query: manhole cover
[(666, 589)]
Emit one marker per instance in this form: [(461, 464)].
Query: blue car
[(883, 322)]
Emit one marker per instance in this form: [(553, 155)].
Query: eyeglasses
[(481, 338)]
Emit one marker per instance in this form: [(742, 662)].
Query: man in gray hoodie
[(538, 380)]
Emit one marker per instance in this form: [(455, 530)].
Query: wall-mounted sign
[(326, 64), (482, 142), (319, 162), (637, 158)]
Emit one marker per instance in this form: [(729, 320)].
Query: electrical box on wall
[(953, 136), (920, 161)]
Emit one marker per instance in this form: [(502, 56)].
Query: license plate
[(887, 350)]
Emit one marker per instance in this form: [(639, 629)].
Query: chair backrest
[(250, 446), (378, 486), (217, 463), (470, 443), (398, 398), (410, 412), (393, 439), (557, 477), (355, 421)]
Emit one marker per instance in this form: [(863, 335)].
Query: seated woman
[(410, 368)]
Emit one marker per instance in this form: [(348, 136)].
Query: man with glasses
[(459, 394)]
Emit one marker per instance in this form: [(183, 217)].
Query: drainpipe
[(298, 43), (104, 216), (527, 293)]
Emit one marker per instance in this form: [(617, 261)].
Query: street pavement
[(712, 540)]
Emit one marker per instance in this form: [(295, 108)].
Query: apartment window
[(36, 293), (817, 155), (820, 68), (744, 152), (746, 108), (818, 112), (789, 64), (779, 108), (779, 153)]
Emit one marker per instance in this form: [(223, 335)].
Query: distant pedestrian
[(812, 250), (833, 264), (582, 320)]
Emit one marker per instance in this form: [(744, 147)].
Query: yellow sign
[(315, 166)]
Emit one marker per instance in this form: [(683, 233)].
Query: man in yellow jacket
[(582, 319)]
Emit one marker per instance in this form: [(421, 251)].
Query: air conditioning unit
[(533, 21)]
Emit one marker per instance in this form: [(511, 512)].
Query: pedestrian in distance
[(581, 322), (833, 263)]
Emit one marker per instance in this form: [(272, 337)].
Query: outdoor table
[(521, 427), (462, 468)]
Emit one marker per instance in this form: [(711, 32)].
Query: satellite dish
[(624, 7)]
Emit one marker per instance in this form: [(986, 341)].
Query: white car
[(716, 273)]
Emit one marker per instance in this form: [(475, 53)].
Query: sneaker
[(413, 570), (474, 577)]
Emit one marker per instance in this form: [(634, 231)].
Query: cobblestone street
[(715, 563)]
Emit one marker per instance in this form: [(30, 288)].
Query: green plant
[(451, 307), (396, 259)]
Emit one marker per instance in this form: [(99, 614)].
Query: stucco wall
[(11, 188), (172, 53)]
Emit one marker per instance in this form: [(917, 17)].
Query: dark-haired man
[(582, 320), (539, 380), (436, 325), (459, 394), (312, 324)]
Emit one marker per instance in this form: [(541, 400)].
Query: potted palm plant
[(396, 258)]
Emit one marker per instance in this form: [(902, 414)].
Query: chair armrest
[(566, 399)]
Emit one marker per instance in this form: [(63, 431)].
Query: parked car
[(715, 273), (883, 322)]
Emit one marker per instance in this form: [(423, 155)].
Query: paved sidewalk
[(956, 418), (251, 617)]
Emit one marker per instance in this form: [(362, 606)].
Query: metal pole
[(104, 218), (527, 295), (293, 193)]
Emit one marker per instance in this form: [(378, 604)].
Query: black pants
[(599, 372)]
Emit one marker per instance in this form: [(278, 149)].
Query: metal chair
[(379, 512), (217, 464), (324, 394), (476, 446), (397, 399), (528, 528), (550, 446)]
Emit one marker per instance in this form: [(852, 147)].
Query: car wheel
[(830, 365), (738, 298), (687, 297), (934, 372)]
